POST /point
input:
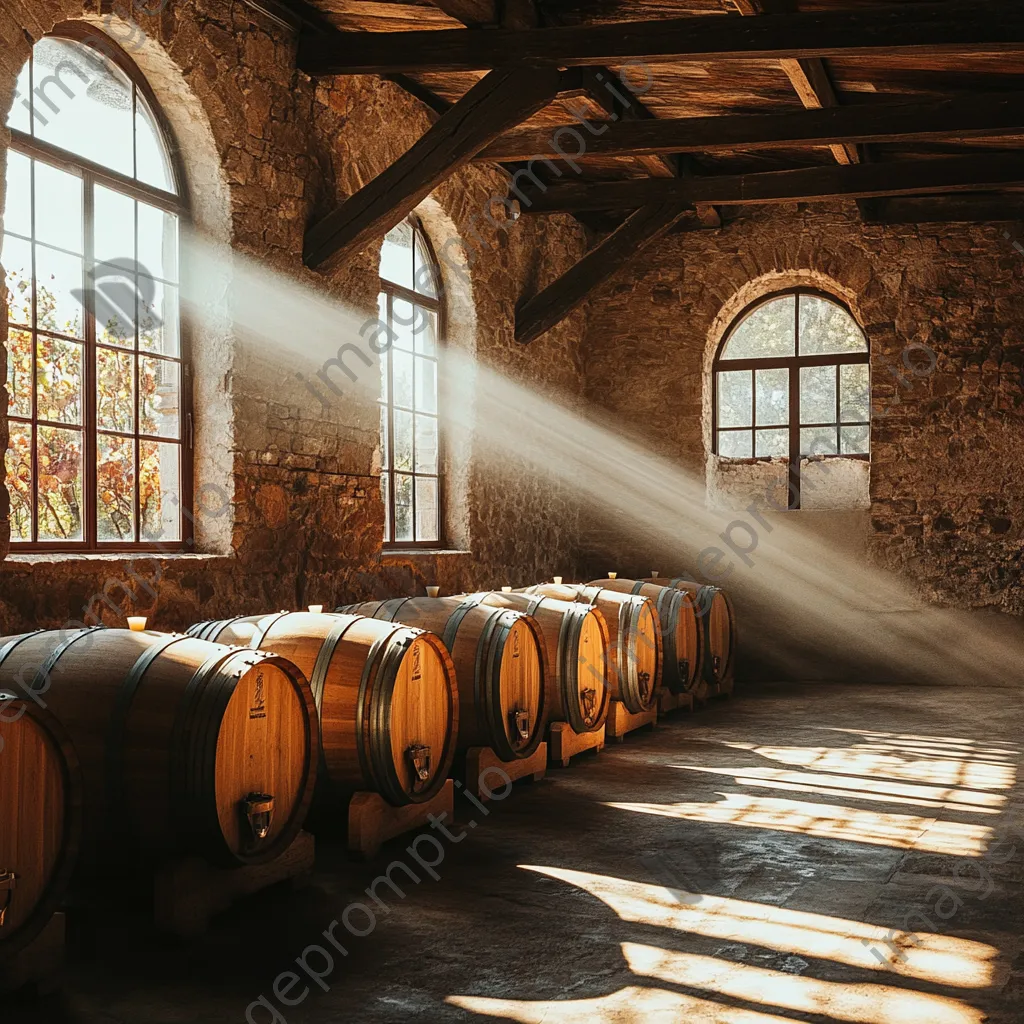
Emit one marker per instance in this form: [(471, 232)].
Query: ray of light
[(921, 955), (828, 821), (879, 790), (857, 1002)]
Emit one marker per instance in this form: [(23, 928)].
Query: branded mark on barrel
[(417, 667), (515, 645), (258, 708)]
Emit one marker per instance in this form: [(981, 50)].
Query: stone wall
[(290, 508)]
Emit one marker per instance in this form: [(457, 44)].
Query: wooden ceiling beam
[(986, 26), (497, 102), (972, 173), (555, 302), (959, 118)]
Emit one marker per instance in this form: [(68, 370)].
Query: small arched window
[(97, 404), (410, 305), (791, 381)]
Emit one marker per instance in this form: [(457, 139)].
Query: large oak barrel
[(634, 639), (717, 618), (576, 638), (186, 747), (499, 659), (40, 818), (682, 640), (386, 694)]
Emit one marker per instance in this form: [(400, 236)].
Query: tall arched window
[(791, 380), (410, 305), (97, 402)]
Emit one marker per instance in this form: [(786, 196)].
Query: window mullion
[(34, 342), (392, 479), (794, 414), (89, 376)]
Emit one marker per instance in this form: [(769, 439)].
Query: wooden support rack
[(39, 961), (564, 744), (620, 721), (372, 821), (669, 701), (487, 773)]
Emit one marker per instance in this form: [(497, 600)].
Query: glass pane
[(384, 477), (426, 509), (152, 165), (401, 381), (59, 292), (58, 380), (18, 204), (159, 397), (19, 480), (115, 295), (158, 317), (817, 394), (60, 484), (426, 444), (818, 441), (735, 444), (826, 327), (425, 281), (403, 440), (426, 385), (770, 330), (403, 507), (16, 257), (426, 334), (405, 321), (58, 208), (114, 227), (83, 103), (115, 488), (19, 373), (19, 118), (735, 398), (771, 443), (854, 440), (772, 390), (159, 491), (396, 255), (854, 393), (115, 390), (158, 243)]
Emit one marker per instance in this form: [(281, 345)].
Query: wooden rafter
[(960, 118), (988, 26), (499, 101), (972, 173)]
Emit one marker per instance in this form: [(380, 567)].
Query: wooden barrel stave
[(147, 713), (682, 639), (40, 818), (635, 647), (385, 693), (576, 637), (717, 617), (499, 657)]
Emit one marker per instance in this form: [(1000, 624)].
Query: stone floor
[(814, 853)]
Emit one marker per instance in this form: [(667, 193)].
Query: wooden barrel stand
[(622, 721), (372, 821), (485, 772), (668, 702), (38, 962), (564, 744)]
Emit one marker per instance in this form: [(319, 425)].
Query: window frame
[(793, 364), (438, 306), (177, 203)]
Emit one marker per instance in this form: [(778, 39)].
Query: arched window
[(791, 380), (97, 403), (410, 305)]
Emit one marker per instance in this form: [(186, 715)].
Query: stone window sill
[(404, 553), (104, 557)]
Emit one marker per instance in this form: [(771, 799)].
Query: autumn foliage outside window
[(97, 399)]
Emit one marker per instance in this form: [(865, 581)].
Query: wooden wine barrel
[(682, 640), (634, 640), (576, 638), (186, 747), (717, 618), (499, 659), (386, 694), (40, 817)]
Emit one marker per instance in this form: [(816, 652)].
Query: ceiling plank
[(987, 26), (972, 173), (960, 118), (555, 302), (500, 100)]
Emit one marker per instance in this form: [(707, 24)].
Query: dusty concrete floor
[(759, 862)]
